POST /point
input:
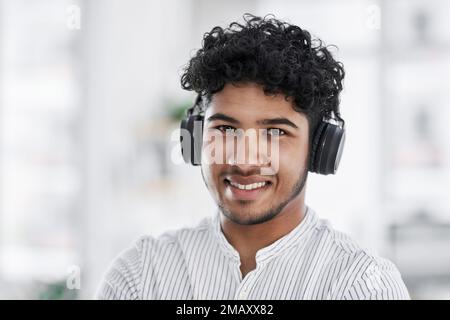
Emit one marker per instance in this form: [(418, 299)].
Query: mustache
[(238, 171)]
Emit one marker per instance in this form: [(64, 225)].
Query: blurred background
[(90, 98)]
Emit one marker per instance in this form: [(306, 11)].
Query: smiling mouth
[(251, 186), (247, 191)]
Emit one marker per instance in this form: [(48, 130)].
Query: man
[(263, 242)]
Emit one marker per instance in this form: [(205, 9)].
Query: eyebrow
[(278, 121), (273, 121), (221, 116)]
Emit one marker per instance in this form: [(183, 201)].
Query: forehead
[(248, 103)]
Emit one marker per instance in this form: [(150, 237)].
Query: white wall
[(131, 63)]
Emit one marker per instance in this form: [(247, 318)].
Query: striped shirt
[(313, 261)]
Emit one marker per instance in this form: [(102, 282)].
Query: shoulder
[(368, 276), (123, 279), (358, 272)]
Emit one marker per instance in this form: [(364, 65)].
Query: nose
[(247, 149)]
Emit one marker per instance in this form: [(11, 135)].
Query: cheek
[(292, 159), (207, 174), (214, 148), (211, 175)]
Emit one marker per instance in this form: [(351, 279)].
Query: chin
[(248, 218)]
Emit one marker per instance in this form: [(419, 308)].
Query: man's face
[(237, 186)]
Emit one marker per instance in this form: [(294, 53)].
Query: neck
[(248, 239)]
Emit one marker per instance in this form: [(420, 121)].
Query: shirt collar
[(294, 237)]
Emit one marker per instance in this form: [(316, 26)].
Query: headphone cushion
[(315, 143), (330, 149)]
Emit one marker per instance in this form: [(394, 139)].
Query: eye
[(225, 128), (275, 132)]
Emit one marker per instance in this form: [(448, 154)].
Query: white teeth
[(248, 186)]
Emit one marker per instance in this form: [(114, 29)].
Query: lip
[(239, 194)]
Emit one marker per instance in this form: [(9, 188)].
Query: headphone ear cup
[(191, 139), (185, 142), (330, 149)]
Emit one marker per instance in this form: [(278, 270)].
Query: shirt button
[(243, 295)]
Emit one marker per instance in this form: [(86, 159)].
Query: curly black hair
[(281, 57)]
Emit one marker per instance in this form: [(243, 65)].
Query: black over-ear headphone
[(326, 149)]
